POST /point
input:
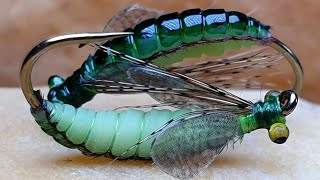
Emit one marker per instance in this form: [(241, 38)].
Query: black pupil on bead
[(280, 140)]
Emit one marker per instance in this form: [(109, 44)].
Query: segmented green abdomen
[(112, 133), (170, 31), (165, 35), (103, 132), (70, 91)]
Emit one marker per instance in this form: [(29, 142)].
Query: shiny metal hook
[(45, 46), (288, 101), (293, 61)]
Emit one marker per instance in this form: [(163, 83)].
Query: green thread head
[(268, 112), (268, 115)]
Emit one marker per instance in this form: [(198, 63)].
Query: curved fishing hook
[(293, 61), (86, 38)]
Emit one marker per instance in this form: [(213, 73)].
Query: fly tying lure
[(142, 60)]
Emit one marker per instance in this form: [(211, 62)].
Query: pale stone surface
[(28, 153)]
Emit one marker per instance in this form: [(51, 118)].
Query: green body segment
[(167, 34), (112, 133), (103, 132)]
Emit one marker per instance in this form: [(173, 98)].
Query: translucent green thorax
[(125, 45), (192, 25), (170, 31), (146, 39), (209, 49), (238, 24), (71, 91), (215, 23), (263, 115)]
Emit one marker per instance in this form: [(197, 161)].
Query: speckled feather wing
[(124, 77), (186, 147), (144, 75), (254, 68)]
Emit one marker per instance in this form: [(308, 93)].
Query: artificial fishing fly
[(182, 142)]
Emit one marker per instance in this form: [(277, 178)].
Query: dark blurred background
[(26, 23)]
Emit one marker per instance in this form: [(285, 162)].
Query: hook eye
[(288, 101), (278, 133)]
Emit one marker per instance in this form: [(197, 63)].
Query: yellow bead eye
[(278, 133)]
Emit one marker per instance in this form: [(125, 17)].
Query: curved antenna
[(52, 43), (293, 61)]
